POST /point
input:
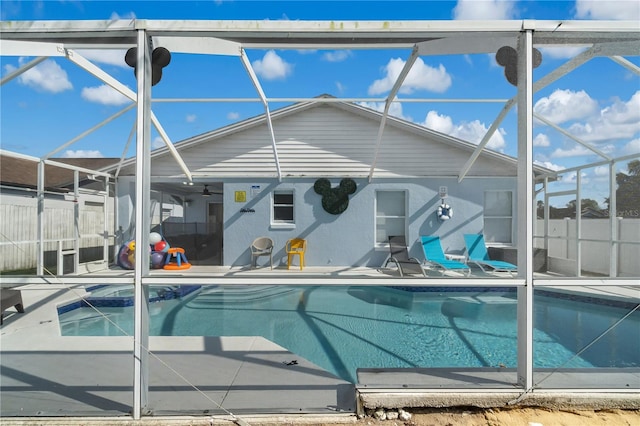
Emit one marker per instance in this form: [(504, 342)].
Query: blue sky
[(56, 101)]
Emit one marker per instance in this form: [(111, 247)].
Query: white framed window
[(391, 217), (498, 216), (283, 207)]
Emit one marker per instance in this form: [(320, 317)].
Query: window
[(283, 207), (498, 217), (390, 215)]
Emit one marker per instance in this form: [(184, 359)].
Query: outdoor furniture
[(435, 256), (261, 246), (8, 299), (400, 256), (477, 253), (296, 247)]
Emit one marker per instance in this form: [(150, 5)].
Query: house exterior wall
[(332, 141), (348, 239)]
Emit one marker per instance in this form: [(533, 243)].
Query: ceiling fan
[(206, 192)]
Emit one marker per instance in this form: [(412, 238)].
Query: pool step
[(239, 295), (471, 306)]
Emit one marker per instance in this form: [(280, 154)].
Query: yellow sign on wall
[(241, 196)]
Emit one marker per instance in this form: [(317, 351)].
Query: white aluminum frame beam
[(199, 45), (26, 67), (328, 100), (556, 173), (613, 221), (558, 73), (626, 63), (485, 139), (387, 104), (570, 136), (525, 206), (88, 132), (30, 48), (16, 48), (267, 113), (124, 151), (142, 222), (40, 219), (462, 45), (88, 66)]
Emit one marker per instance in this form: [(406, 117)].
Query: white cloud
[(190, 118), (472, 131), (541, 140), (601, 171), (439, 123), (577, 151), (484, 9), (395, 109), (337, 56), (82, 153), (105, 56), (549, 165), (623, 112), (157, 142), (340, 87), (632, 147), (618, 9), (421, 77), (572, 177), (115, 16), (105, 95), (620, 120), (565, 105), (47, 76), (272, 66), (233, 115)]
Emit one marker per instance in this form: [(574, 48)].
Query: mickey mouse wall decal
[(160, 58), (507, 56), (335, 200)]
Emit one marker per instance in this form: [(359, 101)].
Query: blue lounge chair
[(400, 256), (477, 253), (435, 256)]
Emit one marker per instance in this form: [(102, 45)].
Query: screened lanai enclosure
[(340, 327)]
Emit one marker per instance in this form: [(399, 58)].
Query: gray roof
[(23, 173)]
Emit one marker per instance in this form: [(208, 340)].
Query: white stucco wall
[(348, 239)]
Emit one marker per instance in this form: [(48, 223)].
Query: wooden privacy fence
[(19, 234)]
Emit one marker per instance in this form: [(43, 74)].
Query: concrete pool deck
[(45, 374)]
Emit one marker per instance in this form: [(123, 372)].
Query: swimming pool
[(344, 328)]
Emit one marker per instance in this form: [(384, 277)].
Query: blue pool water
[(344, 328)]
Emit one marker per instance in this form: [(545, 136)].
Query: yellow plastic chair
[(296, 246)]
